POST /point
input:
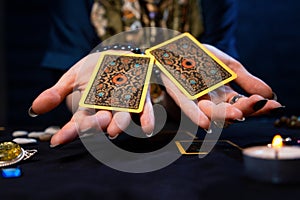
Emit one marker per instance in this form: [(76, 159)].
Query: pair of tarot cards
[(120, 81)]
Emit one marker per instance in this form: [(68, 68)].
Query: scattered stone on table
[(24, 140), (52, 129), (19, 133), (45, 137), (36, 134)]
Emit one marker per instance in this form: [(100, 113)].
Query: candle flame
[(277, 141)]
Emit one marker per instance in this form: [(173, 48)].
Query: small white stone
[(24, 140), (19, 133), (36, 134), (45, 137), (52, 129)]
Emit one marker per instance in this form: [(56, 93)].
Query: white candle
[(265, 152)]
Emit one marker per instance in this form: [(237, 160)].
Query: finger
[(221, 111), (245, 80), (66, 134), (189, 107), (147, 117), (81, 121), (87, 120), (250, 105), (271, 107), (118, 124), (52, 97)]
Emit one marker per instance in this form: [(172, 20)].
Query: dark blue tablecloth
[(71, 172)]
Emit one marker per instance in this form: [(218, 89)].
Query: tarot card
[(194, 69), (119, 82), (193, 147)]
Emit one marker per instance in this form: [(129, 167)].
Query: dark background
[(268, 37)]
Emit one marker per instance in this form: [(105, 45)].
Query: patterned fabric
[(110, 17)]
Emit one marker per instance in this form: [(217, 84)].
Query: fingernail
[(240, 120), (274, 96), (54, 145), (149, 135), (208, 130), (237, 120), (277, 111), (260, 104), (113, 137), (31, 113)]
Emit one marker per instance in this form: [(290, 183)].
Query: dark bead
[(288, 122), (292, 124), (294, 118), (277, 123), (284, 119), (297, 124)]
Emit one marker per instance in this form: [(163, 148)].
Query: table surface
[(70, 171)]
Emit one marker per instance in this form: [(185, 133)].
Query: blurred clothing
[(73, 36)]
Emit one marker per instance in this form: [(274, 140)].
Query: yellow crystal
[(9, 151)]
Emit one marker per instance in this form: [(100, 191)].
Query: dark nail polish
[(260, 104), (278, 110), (136, 51)]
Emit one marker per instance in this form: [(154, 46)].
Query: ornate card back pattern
[(194, 69), (119, 82)]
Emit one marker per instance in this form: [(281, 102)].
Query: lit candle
[(277, 144), (276, 150), (274, 162)]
